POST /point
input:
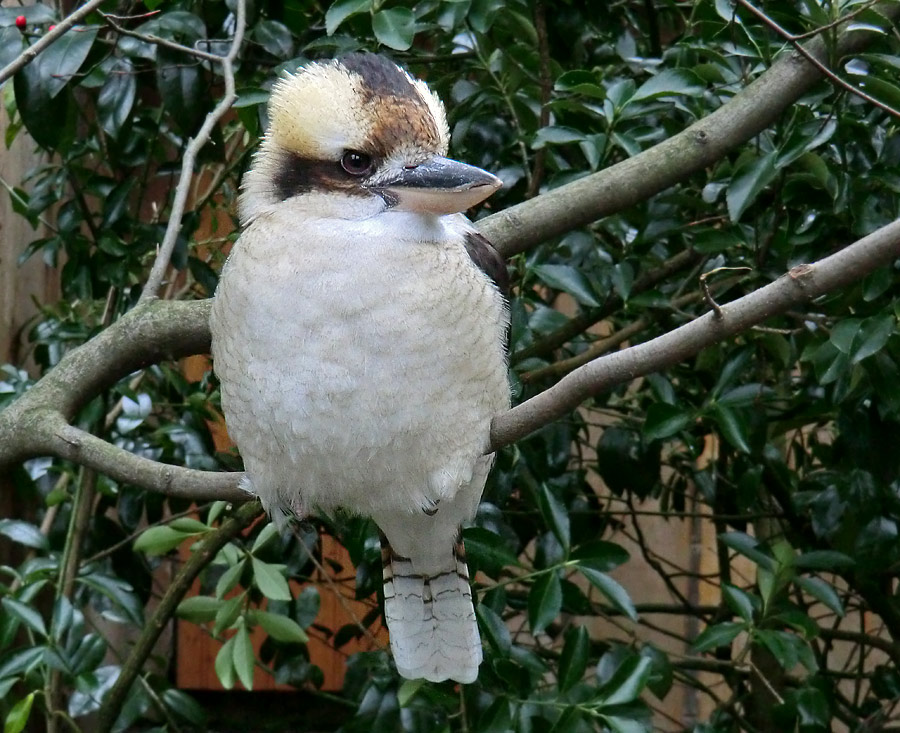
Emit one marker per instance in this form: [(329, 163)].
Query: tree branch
[(800, 284), (156, 331)]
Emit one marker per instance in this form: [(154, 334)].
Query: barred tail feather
[(431, 619)]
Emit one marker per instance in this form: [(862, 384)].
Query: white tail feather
[(431, 619)]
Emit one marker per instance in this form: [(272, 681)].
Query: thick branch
[(165, 330), (625, 184), (800, 284)]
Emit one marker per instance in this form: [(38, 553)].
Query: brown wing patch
[(488, 260)]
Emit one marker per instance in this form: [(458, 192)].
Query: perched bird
[(359, 334)]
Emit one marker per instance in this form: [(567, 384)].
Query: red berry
[(21, 22), (51, 27)]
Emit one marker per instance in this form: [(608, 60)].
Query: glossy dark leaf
[(394, 27), (721, 634), (116, 98), (41, 112), (555, 514), (544, 601), (340, 10), (181, 86), (574, 658), (494, 630), (23, 533), (614, 592), (60, 62), (275, 37), (664, 421), (569, 280), (748, 182)]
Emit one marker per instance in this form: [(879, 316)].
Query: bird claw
[(431, 507)]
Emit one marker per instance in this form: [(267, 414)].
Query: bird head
[(365, 135)]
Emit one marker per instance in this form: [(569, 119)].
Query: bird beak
[(437, 186)]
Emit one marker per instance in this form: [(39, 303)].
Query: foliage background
[(782, 439)]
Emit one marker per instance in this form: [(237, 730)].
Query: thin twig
[(795, 42), (326, 576), (161, 264), (716, 308), (157, 41)]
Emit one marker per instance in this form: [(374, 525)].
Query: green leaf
[(198, 609), (544, 601), (873, 336), (229, 612), (242, 657), (843, 334), (569, 280), (555, 515), (408, 691), (60, 62), (739, 601), (882, 90), (668, 83), (748, 547), (394, 28), (41, 113), (488, 550), (23, 533), (574, 658), (224, 665), (748, 182), (664, 420), (280, 628), (160, 540), (340, 10), (627, 683), (26, 614), (250, 97), (275, 38), (614, 592), (116, 98), (824, 560), (17, 718), (601, 555), (189, 525), (12, 43), (185, 707), (822, 592), (494, 629), (266, 535), (229, 579), (733, 424), (718, 635), (555, 136), (579, 81), (270, 581), (181, 87)]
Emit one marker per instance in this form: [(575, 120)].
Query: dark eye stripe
[(296, 175)]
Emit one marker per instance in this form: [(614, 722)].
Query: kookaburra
[(359, 334)]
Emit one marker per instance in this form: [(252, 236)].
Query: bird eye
[(356, 163)]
